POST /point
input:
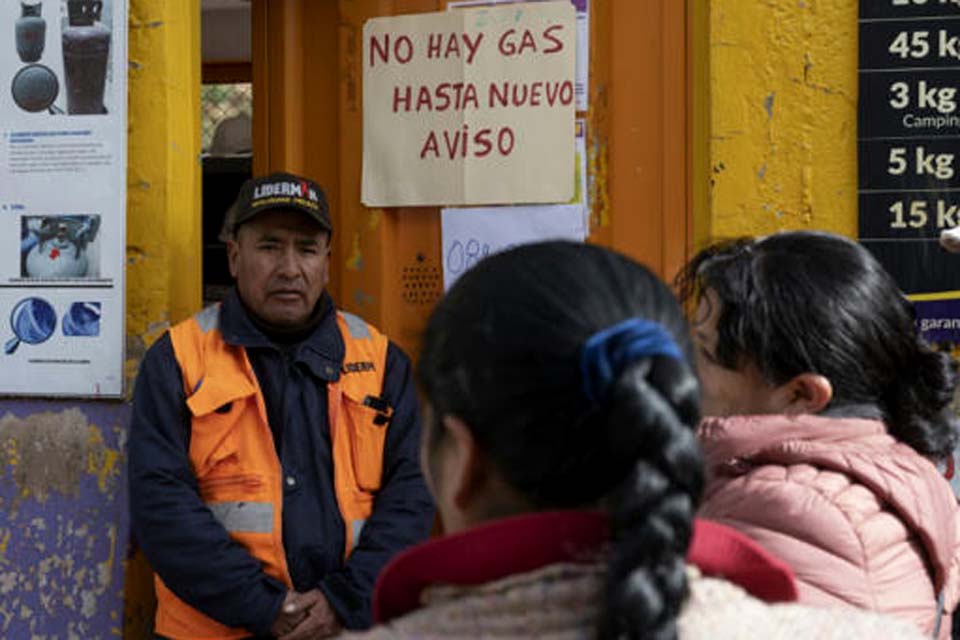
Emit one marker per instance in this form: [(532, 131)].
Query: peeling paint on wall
[(63, 495), (48, 452), (355, 261), (783, 117), (597, 183), (373, 220), (362, 298)]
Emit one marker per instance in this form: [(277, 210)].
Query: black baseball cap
[(278, 191)]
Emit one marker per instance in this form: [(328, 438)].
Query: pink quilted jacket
[(862, 519)]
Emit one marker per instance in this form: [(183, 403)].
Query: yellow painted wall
[(163, 176), (163, 206), (782, 103)]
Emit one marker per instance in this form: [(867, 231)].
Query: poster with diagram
[(62, 197)]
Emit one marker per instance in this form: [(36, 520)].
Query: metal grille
[(219, 101), (422, 284)]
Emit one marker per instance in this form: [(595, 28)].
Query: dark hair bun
[(919, 406)]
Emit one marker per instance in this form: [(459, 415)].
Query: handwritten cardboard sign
[(470, 107)]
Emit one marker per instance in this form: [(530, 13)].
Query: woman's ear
[(467, 486), (464, 471), (805, 393)]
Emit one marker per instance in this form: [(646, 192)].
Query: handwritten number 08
[(460, 257)]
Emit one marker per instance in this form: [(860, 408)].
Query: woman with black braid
[(559, 446)]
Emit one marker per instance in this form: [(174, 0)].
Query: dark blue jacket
[(193, 553)]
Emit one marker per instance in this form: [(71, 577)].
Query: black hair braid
[(505, 352), (652, 510)]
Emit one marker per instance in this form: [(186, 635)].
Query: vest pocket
[(367, 440), (216, 446), (216, 487)]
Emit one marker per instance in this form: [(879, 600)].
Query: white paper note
[(471, 234)]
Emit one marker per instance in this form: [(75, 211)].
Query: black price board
[(909, 163), (909, 151), (899, 9), (916, 43), (905, 103), (908, 215)]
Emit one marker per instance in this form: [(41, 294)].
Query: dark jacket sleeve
[(403, 509), (181, 539)]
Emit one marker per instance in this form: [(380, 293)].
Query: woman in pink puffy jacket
[(828, 415)]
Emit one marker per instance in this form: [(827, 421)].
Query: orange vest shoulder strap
[(214, 372), (188, 338), (358, 423), (365, 357)]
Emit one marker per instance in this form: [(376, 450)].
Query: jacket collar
[(529, 542), (905, 482), (322, 351), (743, 436)]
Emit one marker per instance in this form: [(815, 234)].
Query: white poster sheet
[(63, 108), (474, 106), (583, 40), (471, 234)]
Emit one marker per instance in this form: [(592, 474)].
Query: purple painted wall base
[(64, 524)]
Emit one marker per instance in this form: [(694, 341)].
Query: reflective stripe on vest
[(233, 455), (243, 517)]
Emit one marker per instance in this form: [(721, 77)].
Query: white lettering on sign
[(938, 165), (919, 44), (917, 214), (928, 96), (920, 3)]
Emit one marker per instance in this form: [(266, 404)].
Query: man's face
[(281, 262)]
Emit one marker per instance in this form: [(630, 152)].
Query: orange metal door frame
[(307, 65), (642, 118)]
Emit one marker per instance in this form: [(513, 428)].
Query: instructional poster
[(474, 106), (909, 125), (62, 196)]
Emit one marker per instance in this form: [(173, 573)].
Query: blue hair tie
[(609, 351)]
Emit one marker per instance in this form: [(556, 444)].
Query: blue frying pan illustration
[(33, 321), (83, 319)]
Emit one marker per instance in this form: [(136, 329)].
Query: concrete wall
[(783, 122), (66, 565)]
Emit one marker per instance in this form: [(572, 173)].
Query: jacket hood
[(860, 449)]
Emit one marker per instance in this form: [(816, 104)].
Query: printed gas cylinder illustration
[(86, 48), (56, 258), (32, 321), (30, 31), (58, 246)]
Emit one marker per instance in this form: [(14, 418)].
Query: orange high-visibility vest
[(235, 462)]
